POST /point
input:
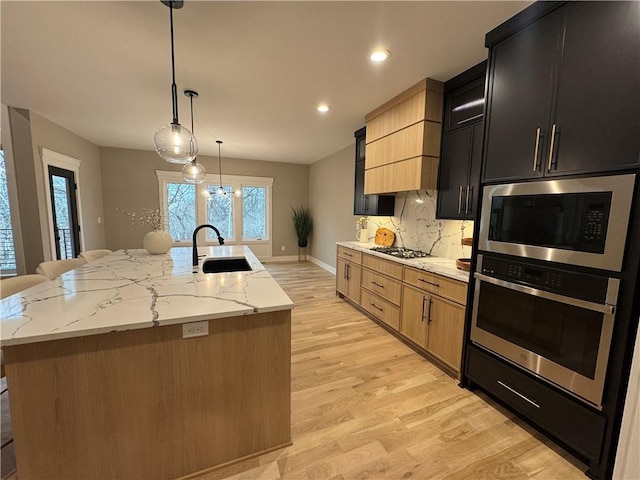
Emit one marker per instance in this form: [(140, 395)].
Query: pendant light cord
[(219, 142), (174, 89)]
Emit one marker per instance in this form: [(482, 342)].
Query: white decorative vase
[(157, 242), (363, 235)]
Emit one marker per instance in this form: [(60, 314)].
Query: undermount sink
[(226, 264)]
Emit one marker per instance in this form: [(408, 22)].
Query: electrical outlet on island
[(195, 329)]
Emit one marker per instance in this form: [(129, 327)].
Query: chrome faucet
[(195, 240)]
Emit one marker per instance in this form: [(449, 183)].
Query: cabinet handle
[(469, 119), (553, 139), (377, 284), (518, 394), (460, 199), (467, 208), (366, 203), (344, 272), (346, 269), (429, 311), (422, 314), (347, 254), (430, 283), (535, 152), (376, 307)]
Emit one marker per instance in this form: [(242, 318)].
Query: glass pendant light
[(193, 172), (173, 142)]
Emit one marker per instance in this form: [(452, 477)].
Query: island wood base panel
[(148, 404)]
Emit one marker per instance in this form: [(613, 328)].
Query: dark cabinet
[(461, 150), (564, 94), (373, 205)]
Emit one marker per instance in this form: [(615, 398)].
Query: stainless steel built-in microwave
[(573, 221)]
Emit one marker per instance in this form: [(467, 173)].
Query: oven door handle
[(596, 307)]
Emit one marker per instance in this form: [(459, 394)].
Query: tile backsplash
[(416, 226)]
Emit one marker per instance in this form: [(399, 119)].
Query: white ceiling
[(103, 69)]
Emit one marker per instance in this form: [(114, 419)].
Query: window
[(240, 219)]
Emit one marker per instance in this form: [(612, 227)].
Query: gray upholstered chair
[(91, 255), (55, 268)]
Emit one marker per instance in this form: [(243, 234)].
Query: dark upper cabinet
[(461, 148), (373, 205), (564, 93)]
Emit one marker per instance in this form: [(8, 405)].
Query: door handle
[(576, 302), (553, 139), (422, 314), (535, 151), (347, 270), (460, 199), (467, 208), (429, 311)]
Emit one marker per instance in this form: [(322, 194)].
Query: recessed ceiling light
[(323, 108), (380, 55)]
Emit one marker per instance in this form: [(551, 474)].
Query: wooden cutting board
[(384, 237)]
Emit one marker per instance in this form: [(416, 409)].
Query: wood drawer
[(380, 265), (385, 287), (442, 286), (575, 424), (380, 308), (350, 255)]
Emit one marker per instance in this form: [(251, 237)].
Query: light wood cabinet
[(446, 325), (348, 273), (426, 308), (413, 324), (433, 323), (403, 140)]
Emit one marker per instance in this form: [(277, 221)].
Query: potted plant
[(303, 223)]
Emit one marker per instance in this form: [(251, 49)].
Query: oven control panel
[(565, 282)]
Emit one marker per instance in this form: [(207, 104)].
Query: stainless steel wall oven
[(556, 323), (546, 279)]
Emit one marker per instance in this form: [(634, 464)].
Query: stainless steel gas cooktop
[(400, 252)]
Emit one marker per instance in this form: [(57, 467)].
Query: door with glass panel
[(64, 212)]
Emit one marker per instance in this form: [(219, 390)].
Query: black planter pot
[(302, 242)]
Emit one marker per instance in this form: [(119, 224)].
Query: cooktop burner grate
[(400, 252)]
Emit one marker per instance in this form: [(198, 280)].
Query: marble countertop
[(131, 289), (440, 265)]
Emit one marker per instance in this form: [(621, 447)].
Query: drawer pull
[(377, 284), (376, 307), (430, 283), (347, 254), (518, 394)]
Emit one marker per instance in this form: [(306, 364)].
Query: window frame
[(236, 182)]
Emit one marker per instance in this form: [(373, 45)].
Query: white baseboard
[(279, 259), (326, 266)]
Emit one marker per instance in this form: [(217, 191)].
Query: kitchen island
[(103, 385)]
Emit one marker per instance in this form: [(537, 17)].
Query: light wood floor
[(366, 406)]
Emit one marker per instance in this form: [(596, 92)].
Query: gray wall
[(29, 134), (46, 134), (331, 186), (129, 182)]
